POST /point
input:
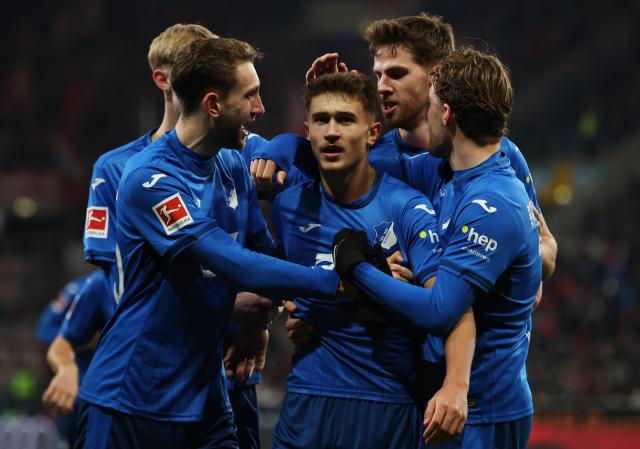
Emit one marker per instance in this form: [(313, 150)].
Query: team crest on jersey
[(97, 222), (172, 213), (385, 234), (232, 198)]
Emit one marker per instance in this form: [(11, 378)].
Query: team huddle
[(410, 262)]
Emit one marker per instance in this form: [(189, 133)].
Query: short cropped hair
[(428, 38), (165, 46), (208, 64), (478, 89), (357, 86)]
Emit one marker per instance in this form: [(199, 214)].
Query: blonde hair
[(165, 47)]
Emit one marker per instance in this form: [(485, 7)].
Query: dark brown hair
[(428, 38), (208, 64), (357, 86), (477, 87)]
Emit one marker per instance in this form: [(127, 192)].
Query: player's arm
[(99, 241), (548, 246), (446, 411), (280, 154), (61, 393), (168, 218)]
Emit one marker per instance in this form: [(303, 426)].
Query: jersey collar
[(200, 165), (360, 202), (497, 160)]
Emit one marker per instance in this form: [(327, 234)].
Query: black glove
[(349, 249)]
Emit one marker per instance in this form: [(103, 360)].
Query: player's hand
[(246, 353), (61, 393), (325, 64), (262, 171), (446, 413), (251, 310), (349, 249), (548, 244), (399, 271), (538, 299), (298, 330)]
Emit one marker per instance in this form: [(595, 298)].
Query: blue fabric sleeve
[(289, 149), (99, 244), (521, 168), (434, 310), (259, 273), (86, 315)]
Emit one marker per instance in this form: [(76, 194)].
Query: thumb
[(280, 178)]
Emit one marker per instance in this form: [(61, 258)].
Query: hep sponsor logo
[(433, 236), (97, 222), (480, 239), (172, 213)]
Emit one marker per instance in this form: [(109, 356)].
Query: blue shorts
[(245, 415), (506, 435), (309, 421), (104, 428)]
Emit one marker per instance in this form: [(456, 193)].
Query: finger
[(281, 177), (395, 258), (401, 272), (353, 72), (249, 368), (290, 306), (310, 75), (435, 422), (428, 413), (342, 67), (253, 167)]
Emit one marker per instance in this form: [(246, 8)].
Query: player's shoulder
[(303, 191), (397, 191), (120, 155)]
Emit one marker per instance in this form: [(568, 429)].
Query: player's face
[(439, 142), (340, 131), (402, 85), (242, 105)]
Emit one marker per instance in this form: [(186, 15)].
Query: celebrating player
[(354, 384), (490, 245), (156, 379)]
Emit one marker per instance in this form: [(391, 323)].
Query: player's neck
[(194, 132), (170, 117), (467, 154), (417, 136), (347, 187)]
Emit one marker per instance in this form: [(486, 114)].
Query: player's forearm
[(61, 355), (263, 274), (432, 310), (548, 253), (290, 149), (459, 348)]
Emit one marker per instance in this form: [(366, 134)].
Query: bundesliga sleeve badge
[(97, 222), (172, 213)]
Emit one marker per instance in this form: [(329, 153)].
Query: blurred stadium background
[(75, 83)]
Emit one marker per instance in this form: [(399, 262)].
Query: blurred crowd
[(75, 84)]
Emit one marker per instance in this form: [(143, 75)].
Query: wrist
[(458, 384)]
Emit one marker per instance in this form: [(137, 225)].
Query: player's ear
[(212, 104), (306, 127), (161, 79), (374, 132), (447, 115)]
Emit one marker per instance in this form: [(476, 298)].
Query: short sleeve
[(99, 229)]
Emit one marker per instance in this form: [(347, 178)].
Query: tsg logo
[(486, 242)]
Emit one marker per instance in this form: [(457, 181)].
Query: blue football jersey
[(355, 353), (490, 239), (159, 355), (91, 308), (99, 231), (100, 221), (430, 174), (53, 315)]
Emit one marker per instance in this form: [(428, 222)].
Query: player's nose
[(258, 106)]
